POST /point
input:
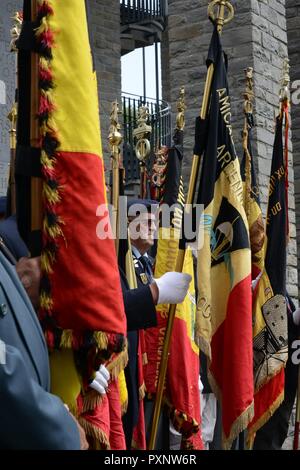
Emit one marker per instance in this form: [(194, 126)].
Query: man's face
[(142, 231)]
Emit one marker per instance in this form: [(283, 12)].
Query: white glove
[(100, 382), (172, 287), (296, 316)]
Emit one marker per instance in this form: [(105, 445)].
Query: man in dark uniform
[(30, 417), (140, 303), (3, 202), (10, 236)]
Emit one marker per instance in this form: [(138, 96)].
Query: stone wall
[(257, 37), (293, 27), (104, 24), (7, 84)]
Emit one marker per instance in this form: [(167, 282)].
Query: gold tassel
[(52, 195), (142, 392), (46, 161), (46, 301), (101, 339), (44, 63), (118, 364), (44, 26), (48, 94), (95, 433), (47, 259), (55, 231), (66, 339), (91, 400)]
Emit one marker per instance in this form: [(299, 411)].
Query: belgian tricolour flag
[(270, 311), (224, 262), (252, 200), (182, 391), (81, 298)]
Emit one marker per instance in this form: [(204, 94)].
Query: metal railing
[(160, 121), (136, 11)]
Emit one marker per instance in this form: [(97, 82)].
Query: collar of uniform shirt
[(137, 254)]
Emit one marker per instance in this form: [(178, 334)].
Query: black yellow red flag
[(224, 261), (270, 311), (182, 382), (252, 200)]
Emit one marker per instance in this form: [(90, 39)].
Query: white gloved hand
[(296, 316), (100, 382), (172, 287)]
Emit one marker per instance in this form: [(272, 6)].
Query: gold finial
[(181, 107), (249, 91), (141, 133), (115, 137), (285, 82), (12, 117), (219, 19), (15, 30)]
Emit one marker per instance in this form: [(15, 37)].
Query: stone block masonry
[(257, 37), (104, 24), (7, 84)]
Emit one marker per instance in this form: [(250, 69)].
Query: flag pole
[(36, 182), (297, 421), (248, 111), (12, 117), (115, 139), (220, 20), (143, 147)]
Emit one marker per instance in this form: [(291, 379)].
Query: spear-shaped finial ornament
[(181, 107), (285, 82), (249, 91), (220, 19), (115, 137), (15, 30), (141, 133)]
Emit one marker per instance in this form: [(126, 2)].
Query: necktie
[(146, 263)]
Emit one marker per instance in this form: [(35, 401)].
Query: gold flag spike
[(141, 133), (249, 90), (15, 31), (285, 81), (181, 107), (143, 147), (115, 139), (219, 19)]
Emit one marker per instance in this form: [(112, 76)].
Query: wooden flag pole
[(36, 182), (219, 20)]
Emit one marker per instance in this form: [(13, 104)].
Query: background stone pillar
[(7, 84), (293, 27), (257, 37), (104, 25)]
